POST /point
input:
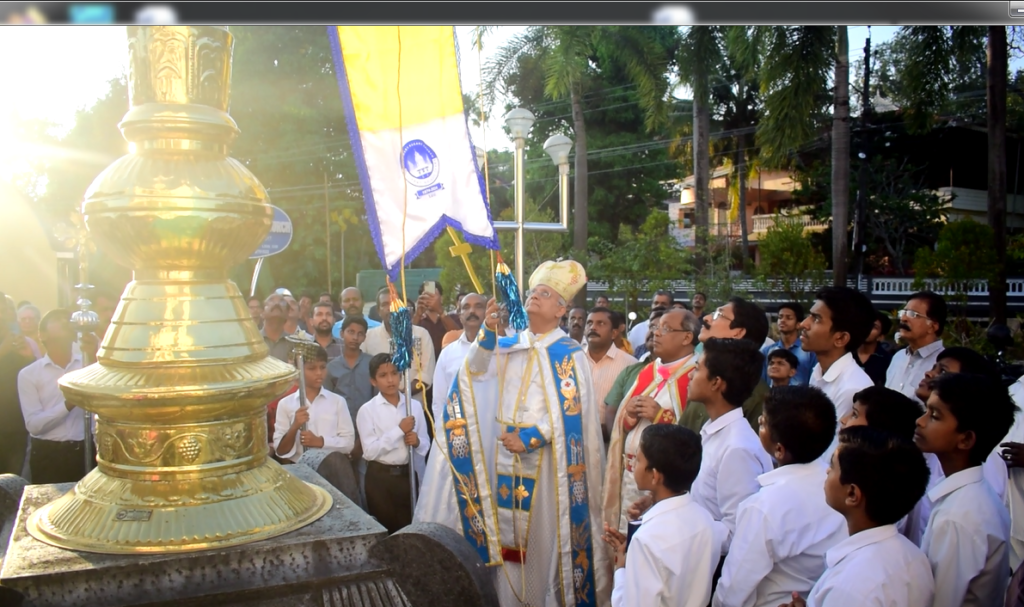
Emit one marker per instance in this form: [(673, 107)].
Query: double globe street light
[(519, 122)]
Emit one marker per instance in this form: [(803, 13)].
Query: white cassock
[(470, 430), (546, 525)]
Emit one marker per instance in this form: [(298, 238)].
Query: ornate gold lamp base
[(182, 376), (104, 514)]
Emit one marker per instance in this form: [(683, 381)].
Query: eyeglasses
[(541, 294), (911, 314), (659, 330), (718, 314)]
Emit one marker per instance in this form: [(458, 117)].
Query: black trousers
[(57, 462), (388, 497), (717, 576), (12, 452)]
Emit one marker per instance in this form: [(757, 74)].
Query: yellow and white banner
[(403, 108)]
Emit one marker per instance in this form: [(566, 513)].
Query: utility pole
[(860, 215)]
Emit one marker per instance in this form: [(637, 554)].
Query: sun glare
[(68, 69)]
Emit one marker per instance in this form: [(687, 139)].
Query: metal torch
[(86, 321), (303, 347)]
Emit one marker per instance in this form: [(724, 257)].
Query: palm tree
[(794, 88), (841, 157), (740, 100), (996, 96), (699, 57), (565, 53), (937, 61)]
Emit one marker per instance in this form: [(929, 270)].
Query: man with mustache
[(275, 315), (323, 321), (293, 324), (351, 305), (453, 355), (657, 396), (577, 322), (628, 376), (606, 360), (921, 322)]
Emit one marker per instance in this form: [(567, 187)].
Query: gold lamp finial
[(183, 375)]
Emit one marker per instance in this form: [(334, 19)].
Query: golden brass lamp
[(182, 377)]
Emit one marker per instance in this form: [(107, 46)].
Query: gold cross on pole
[(463, 249)]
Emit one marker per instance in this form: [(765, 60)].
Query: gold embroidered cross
[(521, 493)]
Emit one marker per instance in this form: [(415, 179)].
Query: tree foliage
[(904, 216), (641, 261), (963, 257), (795, 74), (718, 278), (606, 87), (789, 262), (935, 67)]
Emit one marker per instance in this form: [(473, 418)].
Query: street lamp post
[(519, 121)]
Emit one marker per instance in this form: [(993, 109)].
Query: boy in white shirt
[(784, 530), (967, 537), (873, 481), (328, 421), (671, 557), (884, 409), (889, 411), (387, 428), (733, 457)]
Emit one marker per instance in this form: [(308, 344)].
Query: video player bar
[(971, 12)]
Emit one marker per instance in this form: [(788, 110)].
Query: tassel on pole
[(509, 290)]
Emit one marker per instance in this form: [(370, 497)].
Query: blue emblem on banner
[(421, 164)]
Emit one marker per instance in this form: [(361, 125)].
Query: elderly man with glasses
[(737, 319), (920, 327), (657, 396), (547, 467)]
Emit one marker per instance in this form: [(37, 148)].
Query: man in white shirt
[(662, 299), (921, 322), (784, 530), (671, 558), (968, 530), (1013, 452), (837, 324), (57, 427), (378, 341), (873, 481), (733, 457), (324, 413), (453, 356)]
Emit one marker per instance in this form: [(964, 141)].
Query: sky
[(69, 67)]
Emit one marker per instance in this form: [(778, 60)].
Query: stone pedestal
[(311, 566)]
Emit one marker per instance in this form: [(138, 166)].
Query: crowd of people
[(688, 460)]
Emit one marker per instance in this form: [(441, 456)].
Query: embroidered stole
[(469, 470), (516, 492), (645, 384)]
